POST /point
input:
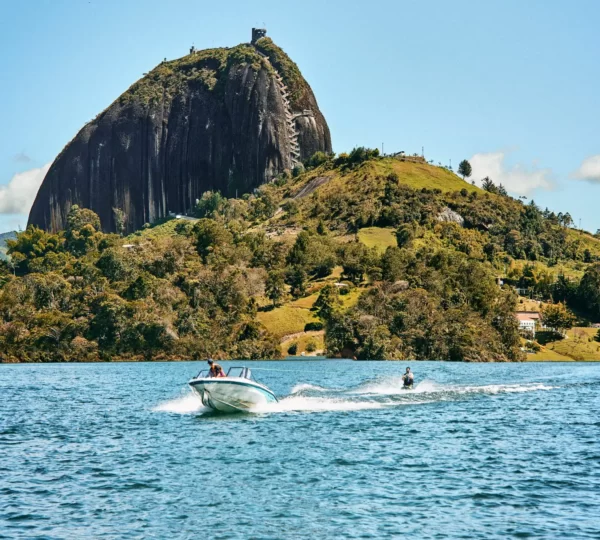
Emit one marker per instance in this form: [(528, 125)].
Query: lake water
[(125, 451)]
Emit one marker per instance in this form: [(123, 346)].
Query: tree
[(465, 169), (488, 185), (297, 170), (393, 264), (275, 286), (318, 158), (356, 261), (209, 205), (110, 317), (557, 316), (80, 217), (120, 221), (588, 291), (315, 253), (210, 235), (327, 302), (31, 244), (146, 337), (138, 289), (81, 233), (296, 278), (114, 264), (567, 220), (404, 236)]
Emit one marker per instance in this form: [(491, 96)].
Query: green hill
[(360, 255)]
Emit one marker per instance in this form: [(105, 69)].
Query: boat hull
[(231, 394)]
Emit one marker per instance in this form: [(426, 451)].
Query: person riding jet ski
[(408, 379)]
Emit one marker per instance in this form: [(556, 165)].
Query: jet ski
[(236, 392)]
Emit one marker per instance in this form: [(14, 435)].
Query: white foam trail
[(394, 386), (509, 388), (312, 404), (187, 404)]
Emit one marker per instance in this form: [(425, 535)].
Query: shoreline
[(294, 359)]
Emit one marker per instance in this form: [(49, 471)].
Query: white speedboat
[(236, 392)]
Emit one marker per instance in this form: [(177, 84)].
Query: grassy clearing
[(571, 269), (379, 238), (586, 240), (578, 345), (306, 303), (547, 355), (349, 300), (422, 175), (161, 229), (318, 337), (286, 320), (526, 304)]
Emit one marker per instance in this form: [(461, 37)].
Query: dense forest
[(195, 287)]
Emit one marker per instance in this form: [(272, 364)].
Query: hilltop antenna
[(382, 152), (423, 152)]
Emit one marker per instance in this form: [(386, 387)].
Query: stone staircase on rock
[(290, 117)]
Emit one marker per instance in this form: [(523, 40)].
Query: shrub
[(318, 159), (312, 326), (293, 349), (291, 207), (311, 346)]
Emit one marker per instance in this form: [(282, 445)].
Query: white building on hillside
[(528, 321)]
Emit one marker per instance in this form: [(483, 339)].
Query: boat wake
[(393, 386), (186, 404), (375, 394)]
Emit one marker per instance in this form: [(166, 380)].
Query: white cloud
[(518, 179), (17, 196), (589, 169)]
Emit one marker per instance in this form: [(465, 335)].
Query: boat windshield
[(242, 372)]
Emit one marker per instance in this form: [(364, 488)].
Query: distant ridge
[(11, 235)]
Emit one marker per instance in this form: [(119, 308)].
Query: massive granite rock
[(220, 119)]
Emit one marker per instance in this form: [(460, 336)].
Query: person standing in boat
[(408, 378), (215, 369)]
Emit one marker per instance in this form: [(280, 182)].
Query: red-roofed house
[(528, 320)]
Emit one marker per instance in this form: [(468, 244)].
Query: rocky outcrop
[(450, 216), (220, 119)]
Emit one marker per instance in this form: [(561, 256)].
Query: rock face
[(448, 215), (221, 119)]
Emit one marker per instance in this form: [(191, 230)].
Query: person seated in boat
[(408, 378), (215, 369), (220, 371)]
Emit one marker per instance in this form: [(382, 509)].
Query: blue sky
[(511, 84)]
